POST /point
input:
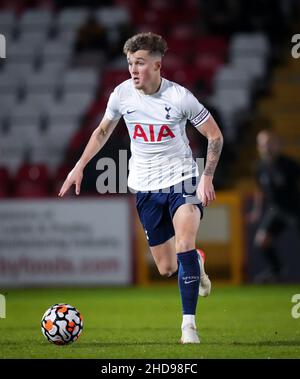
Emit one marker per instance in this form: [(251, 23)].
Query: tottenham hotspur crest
[(168, 114)]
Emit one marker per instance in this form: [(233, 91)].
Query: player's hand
[(74, 177), (205, 190)]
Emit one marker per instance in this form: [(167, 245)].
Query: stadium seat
[(42, 81), (56, 51), (249, 44), (186, 76), (35, 19), (54, 66), (79, 100), (7, 23), (67, 36), (214, 45), (59, 133), (9, 82), (142, 27), (26, 131), (33, 38), (183, 32), (4, 182), (112, 17), (25, 113), (232, 105), (181, 47), (207, 65), (12, 152), (232, 77), (41, 100), (20, 69), (31, 181), (237, 96), (8, 102), (112, 78), (71, 18), (254, 65), (21, 51), (63, 113), (173, 62), (80, 80)]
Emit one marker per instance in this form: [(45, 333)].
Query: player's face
[(144, 69), (267, 145)]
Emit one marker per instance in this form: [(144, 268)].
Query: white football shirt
[(160, 151)]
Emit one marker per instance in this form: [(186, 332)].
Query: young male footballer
[(162, 170)]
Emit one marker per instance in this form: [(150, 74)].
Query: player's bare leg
[(186, 222), (165, 257)]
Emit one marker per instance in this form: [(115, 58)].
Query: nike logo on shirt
[(128, 112)]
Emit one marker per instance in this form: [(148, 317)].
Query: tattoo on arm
[(214, 149)]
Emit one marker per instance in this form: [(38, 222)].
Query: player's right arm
[(97, 140)]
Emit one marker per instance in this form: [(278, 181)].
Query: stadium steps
[(283, 107), (280, 112)]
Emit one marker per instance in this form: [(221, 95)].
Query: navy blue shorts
[(156, 209)]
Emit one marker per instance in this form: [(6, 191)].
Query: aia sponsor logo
[(151, 133)]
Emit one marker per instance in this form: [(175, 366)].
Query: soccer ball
[(62, 324)]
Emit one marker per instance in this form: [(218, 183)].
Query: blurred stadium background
[(63, 59)]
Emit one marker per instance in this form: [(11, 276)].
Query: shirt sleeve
[(194, 111), (112, 111)]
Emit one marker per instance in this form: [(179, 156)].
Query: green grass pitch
[(234, 322)]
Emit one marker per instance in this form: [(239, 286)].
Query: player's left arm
[(211, 131)]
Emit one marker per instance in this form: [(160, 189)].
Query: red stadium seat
[(31, 181), (215, 45), (173, 62), (183, 32), (186, 76), (182, 47), (4, 182), (150, 27), (112, 78), (207, 65)]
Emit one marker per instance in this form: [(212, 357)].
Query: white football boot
[(205, 283), (189, 334)]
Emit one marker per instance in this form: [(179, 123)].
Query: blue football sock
[(188, 280)]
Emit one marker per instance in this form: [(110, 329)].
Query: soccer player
[(161, 168), (276, 201)]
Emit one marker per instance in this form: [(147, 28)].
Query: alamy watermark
[(2, 46), (2, 306), (296, 48), (113, 176), (295, 312)]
